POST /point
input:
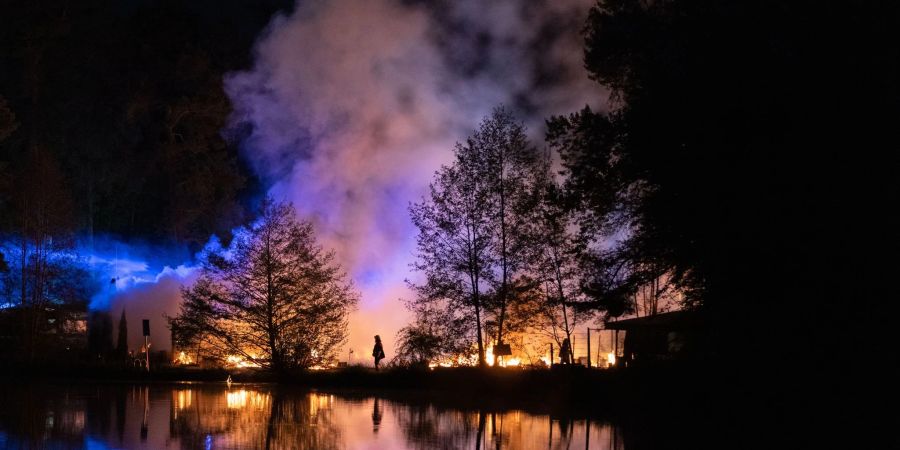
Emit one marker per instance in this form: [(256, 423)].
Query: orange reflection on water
[(182, 398), (243, 398), (201, 415)]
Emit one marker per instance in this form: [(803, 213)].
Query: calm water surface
[(214, 416)]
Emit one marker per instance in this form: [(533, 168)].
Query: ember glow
[(472, 360), (183, 359), (240, 362)]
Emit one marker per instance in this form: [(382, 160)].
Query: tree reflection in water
[(253, 417), (428, 427), (210, 415), (376, 415)]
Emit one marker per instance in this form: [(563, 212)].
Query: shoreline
[(675, 399), (563, 386)]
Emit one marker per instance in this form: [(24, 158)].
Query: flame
[(183, 358), (239, 361), (471, 360), (611, 358), (440, 364)]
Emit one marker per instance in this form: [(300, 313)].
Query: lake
[(262, 416)]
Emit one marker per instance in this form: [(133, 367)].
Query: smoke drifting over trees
[(496, 248), (163, 122), (351, 106), (274, 298)]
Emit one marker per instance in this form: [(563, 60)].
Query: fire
[(183, 358), (611, 358), (239, 361), (472, 360), (440, 364)]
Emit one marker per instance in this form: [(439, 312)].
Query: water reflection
[(208, 416), (376, 415)]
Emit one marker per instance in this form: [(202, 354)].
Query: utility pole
[(551, 355), (589, 347)]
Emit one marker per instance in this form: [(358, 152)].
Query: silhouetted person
[(376, 416), (565, 352), (378, 351)]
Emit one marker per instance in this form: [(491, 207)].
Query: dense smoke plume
[(351, 107)]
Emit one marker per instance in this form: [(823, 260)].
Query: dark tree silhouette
[(744, 143), (454, 240), (44, 273), (507, 165), (8, 122), (438, 334), (122, 341), (100, 334), (130, 102), (557, 261)]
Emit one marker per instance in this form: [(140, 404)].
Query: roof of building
[(669, 320)]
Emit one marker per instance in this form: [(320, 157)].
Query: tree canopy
[(274, 298), (733, 155), (129, 101)]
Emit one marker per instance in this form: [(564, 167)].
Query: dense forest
[(122, 107)]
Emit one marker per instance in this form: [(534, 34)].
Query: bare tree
[(454, 239), (8, 123), (509, 166), (44, 241), (439, 334), (557, 261), (274, 298)]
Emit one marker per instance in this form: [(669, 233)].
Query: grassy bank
[(568, 385)]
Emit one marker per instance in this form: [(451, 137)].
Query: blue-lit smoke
[(118, 267), (112, 275), (143, 280)]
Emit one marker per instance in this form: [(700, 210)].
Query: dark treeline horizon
[(112, 117), (124, 103), (749, 151)]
